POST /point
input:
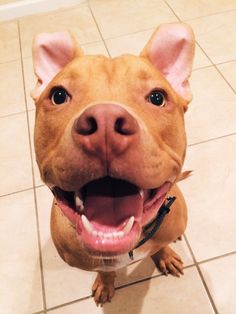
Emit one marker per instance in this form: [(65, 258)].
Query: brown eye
[(59, 96), (157, 98)]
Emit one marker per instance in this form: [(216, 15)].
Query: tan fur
[(158, 154)]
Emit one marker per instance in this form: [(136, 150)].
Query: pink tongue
[(109, 202)]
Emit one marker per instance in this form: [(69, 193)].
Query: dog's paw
[(167, 261), (103, 288)]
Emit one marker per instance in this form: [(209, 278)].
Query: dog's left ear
[(51, 52), (171, 51)]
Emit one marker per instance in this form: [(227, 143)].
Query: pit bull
[(110, 144)]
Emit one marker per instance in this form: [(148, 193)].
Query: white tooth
[(78, 201), (100, 234), (94, 233), (108, 235), (141, 192), (87, 225), (172, 179), (129, 225), (120, 234)]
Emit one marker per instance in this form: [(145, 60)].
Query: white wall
[(17, 9)]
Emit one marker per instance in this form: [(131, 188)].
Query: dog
[(110, 143)]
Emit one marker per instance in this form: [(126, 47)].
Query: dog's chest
[(120, 261)]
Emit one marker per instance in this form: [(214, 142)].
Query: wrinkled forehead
[(125, 68)]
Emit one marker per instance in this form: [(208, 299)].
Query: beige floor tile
[(159, 295), (220, 277), (212, 111), (95, 48), (200, 59), (37, 177), (20, 283), (216, 34), (186, 9), (9, 42), (134, 43), (212, 217), (11, 88), (228, 70), (15, 166), (78, 19), (117, 18), (61, 277)]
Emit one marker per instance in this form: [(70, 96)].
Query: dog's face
[(109, 134)]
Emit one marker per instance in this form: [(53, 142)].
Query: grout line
[(217, 257), (215, 67), (212, 139), (12, 114), (116, 288), (16, 192), (24, 190), (95, 21), (40, 312), (33, 178), (69, 303), (169, 6), (224, 78), (201, 276)]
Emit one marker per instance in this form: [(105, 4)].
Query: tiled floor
[(33, 279)]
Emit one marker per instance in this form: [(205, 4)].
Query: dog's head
[(109, 135)]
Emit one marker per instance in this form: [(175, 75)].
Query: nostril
[(125, 127), (86, 125)]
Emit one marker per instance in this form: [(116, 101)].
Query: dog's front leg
[(103, 288)]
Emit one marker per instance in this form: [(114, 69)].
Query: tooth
[(141, 193), (120, 234), (108, 235), (129, 225), (78, 201), (94, 233), (172, 179), (100, 234), (87, 225)]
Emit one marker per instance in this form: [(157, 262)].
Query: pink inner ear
[(171, 50), (51, 52)]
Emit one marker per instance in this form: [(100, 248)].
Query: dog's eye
[(157, 98), (59, 96)]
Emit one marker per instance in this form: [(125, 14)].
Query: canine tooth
[(78, 201), (129, 225), (141, 192), (87, 225)]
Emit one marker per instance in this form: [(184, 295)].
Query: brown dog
[(110, 144)]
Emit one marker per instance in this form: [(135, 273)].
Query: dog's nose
[(105, 129)]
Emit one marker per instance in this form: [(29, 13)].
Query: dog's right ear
[(51, 52)]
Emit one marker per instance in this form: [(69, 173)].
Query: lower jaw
[(97, 246), (100, 247)]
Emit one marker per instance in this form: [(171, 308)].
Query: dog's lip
[(110, 240)]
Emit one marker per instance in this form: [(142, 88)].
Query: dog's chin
[(109, 214)]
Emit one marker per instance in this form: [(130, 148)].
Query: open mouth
[(109, 213)]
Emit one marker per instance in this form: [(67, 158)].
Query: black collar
[(155, 223)]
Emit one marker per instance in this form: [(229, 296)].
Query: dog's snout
[(105, 127), (106, 118)]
